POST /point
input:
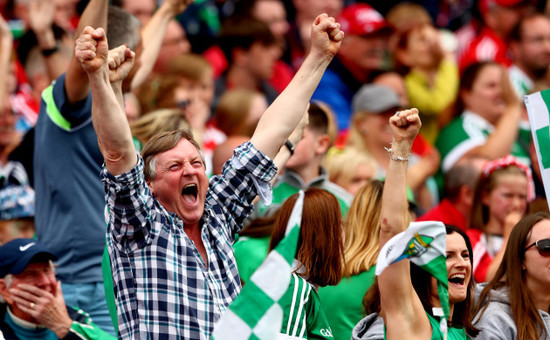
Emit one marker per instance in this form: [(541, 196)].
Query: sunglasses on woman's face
[(543, 246)]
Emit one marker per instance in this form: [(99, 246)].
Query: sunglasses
[(543, 246)]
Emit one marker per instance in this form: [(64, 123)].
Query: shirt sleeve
[(68, 116), (83, 327), (318, 326), (129, 207), (245, 176)]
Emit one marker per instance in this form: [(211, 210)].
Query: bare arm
[(106, 70), (41, 15), (6, 41), (401, 308), (77, 85), (152, 36), (280, 119), (500, 141)]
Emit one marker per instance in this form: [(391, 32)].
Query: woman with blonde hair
[(342, 302)]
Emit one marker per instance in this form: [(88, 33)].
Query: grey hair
[(122, 28)]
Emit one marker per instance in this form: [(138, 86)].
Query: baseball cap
[(16, 201), (375, 99), (362, 19), (16, 255)]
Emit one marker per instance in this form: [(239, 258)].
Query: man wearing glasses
[(35, 308)]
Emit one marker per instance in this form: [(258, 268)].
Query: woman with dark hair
[(490, 113), (405, 310), (320, 259), (515, 304)]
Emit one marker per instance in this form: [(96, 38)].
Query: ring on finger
[(397, 113), (32, 305)]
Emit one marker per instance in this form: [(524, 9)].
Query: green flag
[(255, 313), (424, 244)]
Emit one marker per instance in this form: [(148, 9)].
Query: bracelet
[(290, 147), (49, 51), (396, 158)]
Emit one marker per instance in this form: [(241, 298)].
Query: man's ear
[(239, 56), (323, 144), (150, 185), (4, 292), (466, 195)]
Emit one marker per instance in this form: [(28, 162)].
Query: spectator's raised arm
[(77, 86), (152, 36), (400, 305), (280, 119), (41, 17), (106, 70)]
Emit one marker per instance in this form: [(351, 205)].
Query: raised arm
[(6, 41), (401, 308), (152, 36), (106, 70), (500, 142), (280, 119), (77, 86), (41, 16)]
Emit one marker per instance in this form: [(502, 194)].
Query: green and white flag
[(424, 244), (538, 109), (255, 313)]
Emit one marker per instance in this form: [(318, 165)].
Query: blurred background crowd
[(215, 67)]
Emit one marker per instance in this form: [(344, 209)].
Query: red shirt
[(482, 259), (445, 212)]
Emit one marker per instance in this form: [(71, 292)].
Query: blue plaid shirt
[(162, 287)]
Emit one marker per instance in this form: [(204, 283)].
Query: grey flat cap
[(375, 99)]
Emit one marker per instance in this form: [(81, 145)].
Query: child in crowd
[(500, 201), (350, 168)]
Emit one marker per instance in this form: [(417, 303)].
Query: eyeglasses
[(543, 246)]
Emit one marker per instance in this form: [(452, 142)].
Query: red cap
[(484, 5), (361, 19)]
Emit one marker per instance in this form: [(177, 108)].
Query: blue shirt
[(69, 194), (162, 287)]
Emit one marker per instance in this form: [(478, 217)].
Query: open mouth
[(457, 279), (189, 193)]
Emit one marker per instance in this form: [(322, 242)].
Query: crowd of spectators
[(91, 92)]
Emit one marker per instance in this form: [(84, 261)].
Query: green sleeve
[(83, 327), (317, 323), (108, 285)]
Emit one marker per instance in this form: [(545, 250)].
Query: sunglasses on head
[(543, 246)]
